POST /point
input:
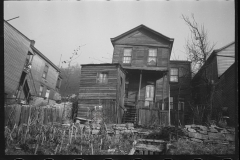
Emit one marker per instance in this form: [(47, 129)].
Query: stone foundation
[(212, 134)]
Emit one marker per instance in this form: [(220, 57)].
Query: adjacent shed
[(102, 85)]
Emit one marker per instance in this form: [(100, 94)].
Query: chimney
[(32, 42)]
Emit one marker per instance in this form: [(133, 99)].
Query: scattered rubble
[(212, 134)]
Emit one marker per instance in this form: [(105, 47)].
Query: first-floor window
[(102, 78), (149, 91), (40, 90)]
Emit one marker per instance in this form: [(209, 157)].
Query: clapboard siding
[(224, 63), (181, 91), (227, 83), (50, 82), (16, 48), (140, 56), (142, 37), (90, 89), (110, 95)]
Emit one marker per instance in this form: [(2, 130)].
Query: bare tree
[(198, 47)]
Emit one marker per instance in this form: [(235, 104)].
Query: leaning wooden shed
[(102, 85)]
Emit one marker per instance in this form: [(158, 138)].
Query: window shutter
[(159, 58)]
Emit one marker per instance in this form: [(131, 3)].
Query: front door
[(149, 95)]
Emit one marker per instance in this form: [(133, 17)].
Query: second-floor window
[(152, 57), (102, 77), (40, 90), (127, 55), (174, 75), (45, 71)]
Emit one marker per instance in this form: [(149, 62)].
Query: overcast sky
[(59, 28)]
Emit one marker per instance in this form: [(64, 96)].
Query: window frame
[(177, 75), (150, 56), (124, 56), (99, 80), (41, 91), (47, 92), (45, 71)]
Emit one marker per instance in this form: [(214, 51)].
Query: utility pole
[(12, 18)]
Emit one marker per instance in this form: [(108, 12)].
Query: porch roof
[(158, 69)]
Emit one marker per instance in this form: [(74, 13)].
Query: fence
[(22, 114), (150, 113)]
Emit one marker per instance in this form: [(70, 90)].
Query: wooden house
[(180, 91), (145, 55), (27, 71), (45, 77), (102, 85), (16, 52), (218, 72)]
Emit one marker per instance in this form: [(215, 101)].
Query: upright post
[(139, 94), (169, 109)]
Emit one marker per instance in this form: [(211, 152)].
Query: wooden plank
[(152, 148), (151, 140)]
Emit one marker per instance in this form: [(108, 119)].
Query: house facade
[(23, 67), (145, 55), (217, 79)]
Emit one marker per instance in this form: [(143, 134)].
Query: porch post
[(169, 110), (140, 82), (139, 90), (163, 90)]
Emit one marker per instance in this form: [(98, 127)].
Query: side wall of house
[(93, 94), (225, 62), (50, 82), (227, 95), (15, 52), (181, 90)]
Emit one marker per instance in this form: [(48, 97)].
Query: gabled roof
[(31, 41), (220, 49), (138, 27), (17, 30), (214, 52)]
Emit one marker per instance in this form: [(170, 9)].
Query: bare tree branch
[(197, 46)]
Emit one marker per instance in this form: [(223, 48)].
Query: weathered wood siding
[(90, 89), (16, 48), (50, 82), (181, 90), (225, 62), (227, 96), (120, 93), (140, 56), (142, 37), (93, 94)]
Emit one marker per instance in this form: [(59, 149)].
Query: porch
[(149, 113)]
